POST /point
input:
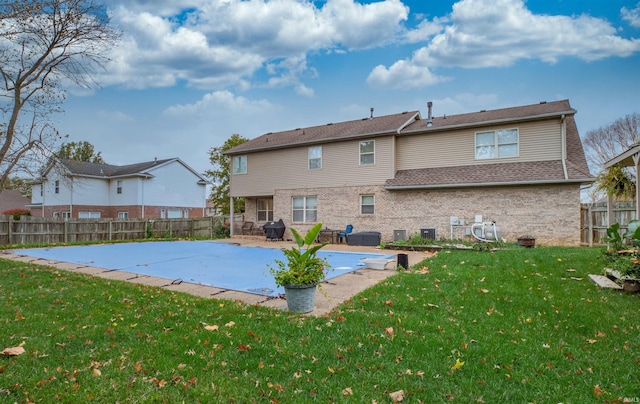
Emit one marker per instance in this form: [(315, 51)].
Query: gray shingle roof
[(330, 132), (108, 170)]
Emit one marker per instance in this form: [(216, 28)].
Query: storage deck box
[(368, 238)]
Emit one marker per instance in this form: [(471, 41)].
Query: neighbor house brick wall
[(550, 213), (134, 211)]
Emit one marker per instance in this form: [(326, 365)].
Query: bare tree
[(606, 142), (45, 46)]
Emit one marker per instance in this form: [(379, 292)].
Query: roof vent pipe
[(429, 117), (371, 117)]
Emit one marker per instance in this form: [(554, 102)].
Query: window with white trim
[(315, 157), (123, 215), (367, 152), (367, 204), (264, 210), (88, 215), (305, 208), (174, 214), (118, 186), (66, 215), (240, 164), (497, 144), (57, 186)]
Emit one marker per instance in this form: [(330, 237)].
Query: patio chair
[(247, 227), (344, 234)]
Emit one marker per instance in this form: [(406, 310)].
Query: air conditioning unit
[(429, 233), (399, 235)]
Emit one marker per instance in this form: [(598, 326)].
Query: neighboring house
[(156, 189), (522, 167), (12, 199)]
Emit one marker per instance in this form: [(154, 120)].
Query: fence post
[(10, 230), (590, 226)]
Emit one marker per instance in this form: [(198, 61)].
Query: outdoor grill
[(274, 230)]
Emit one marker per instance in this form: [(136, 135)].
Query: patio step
[(604, 282)]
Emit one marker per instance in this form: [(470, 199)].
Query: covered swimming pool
[(211, 263)]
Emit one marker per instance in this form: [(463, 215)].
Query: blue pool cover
[(218, 264)]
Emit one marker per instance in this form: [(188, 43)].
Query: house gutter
[(486, 184)]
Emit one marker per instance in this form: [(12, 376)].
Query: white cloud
[(493, 33), (632, 16), (213, 44), (219, 102)]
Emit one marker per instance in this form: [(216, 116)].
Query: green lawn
[(521, 325)]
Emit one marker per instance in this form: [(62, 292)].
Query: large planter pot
[(300, 298)]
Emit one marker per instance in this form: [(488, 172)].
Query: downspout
[(564, 146), (71, 200), (142, 196), (231, 210)]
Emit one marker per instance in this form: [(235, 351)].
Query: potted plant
[(301, 271)]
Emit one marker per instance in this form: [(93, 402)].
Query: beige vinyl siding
[(537, 141), (289, 168)]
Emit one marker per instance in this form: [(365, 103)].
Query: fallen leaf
[(433, 305), (397, 396), (597, 391), (14, 351), (389, 331), (347, 392), (484, 290), (230, 324), (97, 372), (458, 365), (211, 327)]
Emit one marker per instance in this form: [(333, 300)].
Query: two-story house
[(156, 189), (521, 167)]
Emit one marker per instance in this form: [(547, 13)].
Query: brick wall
[(550, 213), (134, 211)]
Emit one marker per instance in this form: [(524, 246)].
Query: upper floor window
[(240, 164), (57, 187), (264, 210), (367, 152), (305, 209), (367, 204), (497, 144), (119, 186), (315, 157), (41, 189)]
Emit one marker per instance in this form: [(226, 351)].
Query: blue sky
[(188, 74)]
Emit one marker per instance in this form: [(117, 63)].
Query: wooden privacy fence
[(593, 219), (37, 230)]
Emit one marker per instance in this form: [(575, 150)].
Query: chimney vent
[(371, 117), (429, 116)]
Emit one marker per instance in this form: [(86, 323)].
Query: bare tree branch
[(45, 45)]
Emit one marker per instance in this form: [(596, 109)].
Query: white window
[(240, 165), (123, 215), (367, 204), (56, 214), (66, 215), (497, 144), (367, 153), (185, 213), (57, 184), (119, 186), (315, 157), (88, 215), (305, 209), (41, 190), (174, 214), (264, 210), (163, 214)]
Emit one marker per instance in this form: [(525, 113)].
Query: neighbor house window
[(240, 165), (315, 157), (497, 144), (88, 215), (56, 214), (174, 214), (41, 190), (119, 186), (367, 153), (264, 210), (57, 184), (305, 209), (66, 215), (123, 215), (163, 214), (367, 203)]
